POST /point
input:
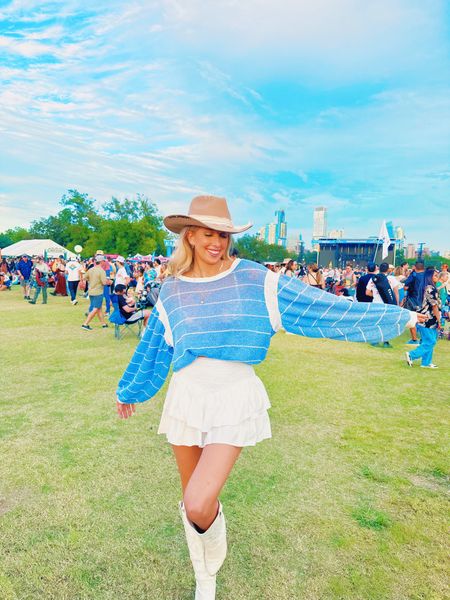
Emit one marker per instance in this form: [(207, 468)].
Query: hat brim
[(176, 223)]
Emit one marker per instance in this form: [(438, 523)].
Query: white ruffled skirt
[(215, 402)]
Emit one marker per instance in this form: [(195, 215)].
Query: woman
[(59, 269), (429, 329), (289, 269), (314, 277), (213, 320)]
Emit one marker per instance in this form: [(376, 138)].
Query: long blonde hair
[(183, 257)]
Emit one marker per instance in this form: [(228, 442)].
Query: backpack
[(384, 289)]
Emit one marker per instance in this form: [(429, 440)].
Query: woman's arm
[(311, 312), (149, 365)]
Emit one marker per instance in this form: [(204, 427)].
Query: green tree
[(11, 236), (252, 248), (129, 227)]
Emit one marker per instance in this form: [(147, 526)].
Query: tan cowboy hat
[(206, 211)]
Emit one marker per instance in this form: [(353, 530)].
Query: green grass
[(349, 500)]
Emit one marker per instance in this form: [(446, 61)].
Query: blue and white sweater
[(233, 316)]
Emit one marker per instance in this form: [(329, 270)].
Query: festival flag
[(384, 237)]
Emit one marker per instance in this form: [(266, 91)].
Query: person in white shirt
[(121, 277), (372, 289), (73, 270)]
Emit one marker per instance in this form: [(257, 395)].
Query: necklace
[(201, 274)]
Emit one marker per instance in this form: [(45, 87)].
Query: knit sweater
[(233, 316)]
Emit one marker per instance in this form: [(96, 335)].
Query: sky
[(286, 104)]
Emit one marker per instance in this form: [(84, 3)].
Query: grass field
[(349, 500)]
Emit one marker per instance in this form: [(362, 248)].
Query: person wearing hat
[(24, 268), (214, 319), (96, 278), (40, 275), (121, 277)]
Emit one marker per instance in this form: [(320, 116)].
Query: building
[(275, 233), (411, 251), (339, 253), (320, 222), (446, 254), (281, 229), (336, 234)]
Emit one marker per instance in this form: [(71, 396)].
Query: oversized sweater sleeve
[(149, 366), (312, 312)]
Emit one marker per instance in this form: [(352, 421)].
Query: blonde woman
[(213, 321)]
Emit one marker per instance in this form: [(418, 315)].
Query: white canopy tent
[(46, 248)]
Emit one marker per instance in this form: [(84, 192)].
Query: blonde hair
[(183, 257)]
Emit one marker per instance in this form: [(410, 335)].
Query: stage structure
[(340, 252)]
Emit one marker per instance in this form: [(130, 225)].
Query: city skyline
[(344, 105)]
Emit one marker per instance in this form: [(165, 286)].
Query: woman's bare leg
[(187, 458), (206, 481)]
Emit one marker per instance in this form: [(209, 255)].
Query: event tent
[(45, 248)]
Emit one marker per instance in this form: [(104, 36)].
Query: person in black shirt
[(361, 286), (128, 308)]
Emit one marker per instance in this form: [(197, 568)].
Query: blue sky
[(288, 104)]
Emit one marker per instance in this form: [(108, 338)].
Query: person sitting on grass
[(127, 307), (5, 282)]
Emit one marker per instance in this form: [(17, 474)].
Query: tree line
[(126, 227)]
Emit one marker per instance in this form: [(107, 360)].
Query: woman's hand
[(125, 410), (421, 318)]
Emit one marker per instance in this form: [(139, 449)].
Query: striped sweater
[(233, 316)]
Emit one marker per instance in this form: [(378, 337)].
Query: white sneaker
[(408, 359), (431, 366)]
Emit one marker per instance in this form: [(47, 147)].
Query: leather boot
[(215, 543), (205, 583)]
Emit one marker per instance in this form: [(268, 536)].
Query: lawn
[(349, 500)]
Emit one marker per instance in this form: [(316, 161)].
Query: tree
[(11, 236), (249, 246)]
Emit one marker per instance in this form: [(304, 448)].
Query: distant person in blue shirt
[(24, 268), (213, 320)]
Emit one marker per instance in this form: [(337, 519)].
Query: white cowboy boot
[(215, 543), (205, 583)]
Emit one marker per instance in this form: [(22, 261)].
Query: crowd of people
[(134, 287)]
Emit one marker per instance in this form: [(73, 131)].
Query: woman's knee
[(199, 508)]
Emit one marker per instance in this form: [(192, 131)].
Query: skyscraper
[(275, 233), (320, 222)]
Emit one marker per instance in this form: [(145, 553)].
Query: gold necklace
[(202, 276)]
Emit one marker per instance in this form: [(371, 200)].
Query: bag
[(409, 304), (384, 289)]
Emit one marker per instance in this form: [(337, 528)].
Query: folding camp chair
[(121, 327)]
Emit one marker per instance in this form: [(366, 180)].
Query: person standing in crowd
[(96, 278), (24, 268), (59, 270), (380, 288), (363, 281), (214, 320), (289, 268), (39, 277), (314, 277), (413, 287), (430, 307), (122, 277), (73, 270), (349, 278), (108, 268)]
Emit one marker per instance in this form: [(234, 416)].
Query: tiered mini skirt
[(215, 402)]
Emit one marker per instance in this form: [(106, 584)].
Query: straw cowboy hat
[(206, 211)]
